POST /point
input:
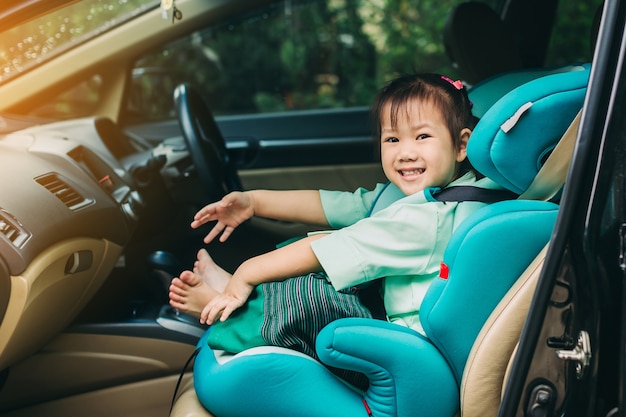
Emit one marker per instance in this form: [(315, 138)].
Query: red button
[(444, 271)]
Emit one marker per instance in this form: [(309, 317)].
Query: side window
[(574, 32), (293, 55)]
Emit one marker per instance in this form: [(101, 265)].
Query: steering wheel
[(205, 143)]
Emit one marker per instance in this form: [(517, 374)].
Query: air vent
[(64, 192), (12, 229)]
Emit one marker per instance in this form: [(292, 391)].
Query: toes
[(177, 305), (189, 278), (177, 285), (175, 298), (203, 254)]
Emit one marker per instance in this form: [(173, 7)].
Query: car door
[(570, 356)]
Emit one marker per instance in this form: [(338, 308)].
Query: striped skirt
[(289, 314)]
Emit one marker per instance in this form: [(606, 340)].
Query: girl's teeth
[(412, 172)]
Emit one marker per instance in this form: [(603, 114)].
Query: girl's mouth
[(411, 172)]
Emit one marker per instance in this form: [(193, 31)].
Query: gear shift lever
[(165, 266)]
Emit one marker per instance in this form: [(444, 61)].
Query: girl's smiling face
[(417, 150)]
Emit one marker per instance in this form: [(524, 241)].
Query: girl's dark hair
[(449, 96)]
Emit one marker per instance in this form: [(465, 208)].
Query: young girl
[(397, 232)]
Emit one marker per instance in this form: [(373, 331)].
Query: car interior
[(95, 213)]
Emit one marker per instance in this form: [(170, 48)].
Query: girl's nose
[(407, 153)]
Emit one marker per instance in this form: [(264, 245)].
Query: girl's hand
[(232, 210), (234, 296)]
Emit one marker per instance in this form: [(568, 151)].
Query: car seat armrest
[(403, 367)]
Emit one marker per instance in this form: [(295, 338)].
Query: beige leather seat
[(485, 373), (187, 404)]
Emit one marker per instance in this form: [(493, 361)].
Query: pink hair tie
[(458, 84)]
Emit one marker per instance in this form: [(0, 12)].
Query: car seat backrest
[(459, 303)]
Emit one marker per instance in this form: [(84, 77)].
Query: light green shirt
[(401, 240)]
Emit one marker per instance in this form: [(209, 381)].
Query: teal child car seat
[(409, 374)]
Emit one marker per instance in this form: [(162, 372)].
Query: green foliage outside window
[(292, 55), (309, 55)]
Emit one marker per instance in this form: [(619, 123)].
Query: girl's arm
[(289, 261), (303, 206)]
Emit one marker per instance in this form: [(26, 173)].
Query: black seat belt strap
[(470, 193)]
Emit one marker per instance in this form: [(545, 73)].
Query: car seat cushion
[(404, 368), (225, 385)]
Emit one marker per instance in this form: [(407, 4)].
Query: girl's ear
[(461, 152)]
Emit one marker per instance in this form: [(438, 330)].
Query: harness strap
[(471, 193)]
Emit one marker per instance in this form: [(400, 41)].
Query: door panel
[(331, 177)]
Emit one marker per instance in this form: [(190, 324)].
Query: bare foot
[(190, 293), (210, 272)]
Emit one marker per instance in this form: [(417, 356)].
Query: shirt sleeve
[(343, 208), (399, 240)]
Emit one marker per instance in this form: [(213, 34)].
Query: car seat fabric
[(470, 300), (526, 123), (486, 93), (411, 375), (485, 373), (270, 382)]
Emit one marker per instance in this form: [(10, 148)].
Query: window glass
[(292, 55), (297, 55), (30, 43), (574, 33), (79, 101)]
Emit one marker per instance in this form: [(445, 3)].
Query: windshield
[(37, 40)]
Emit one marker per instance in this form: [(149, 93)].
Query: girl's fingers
[(199, 220), (227, 311), (214, 312), (220, 308), (216, 230), (228, 230)]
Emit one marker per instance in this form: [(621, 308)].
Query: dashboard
[(67, 211)]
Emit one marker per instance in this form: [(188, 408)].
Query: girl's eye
[(392, 140), (422, 137)]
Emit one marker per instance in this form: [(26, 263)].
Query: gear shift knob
[(164, 261), (164, 265)]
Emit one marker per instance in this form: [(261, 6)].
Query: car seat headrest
[(516, 135), (478, 42)]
